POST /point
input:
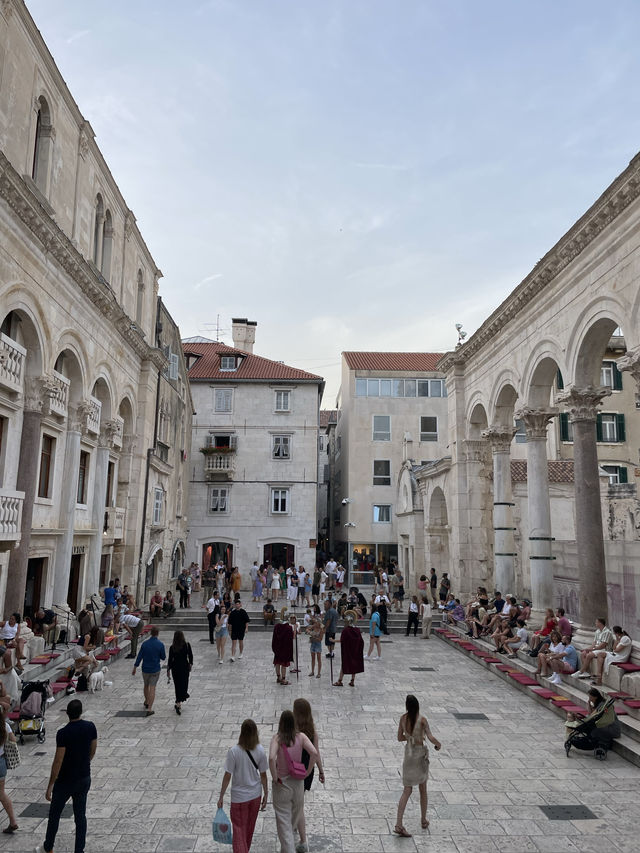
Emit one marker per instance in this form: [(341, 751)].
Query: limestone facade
[(326, 417), (79, 363), (254, 457)]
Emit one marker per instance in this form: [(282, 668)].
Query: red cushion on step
[(103, 656), (544, 692), (620, 711), (492, 660), (58, 686), (628, 667), (54, 655), (13, 715), (62, 679), (114, 651), (619, 695), (632, 703), (574, 709), (40, 659)]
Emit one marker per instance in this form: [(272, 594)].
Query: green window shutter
[(617, 378), (559, 380), (622, 474), (564, 426), (599, 427), (620, 430)]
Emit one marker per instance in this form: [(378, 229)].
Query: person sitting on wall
[(44, 624), (168, 605), (155, 605), (268, 613)]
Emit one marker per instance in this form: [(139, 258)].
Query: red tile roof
[(560, 470), (253, 368), (415, 361), (328, 416)]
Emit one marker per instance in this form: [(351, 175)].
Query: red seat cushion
[(544, 692), (575, 709), (103, 656), (63, 679), (40, 659), (620, 711), (628, 667), (114, 651), (631, 703), (619, 695), (58, 686), (13, 715)]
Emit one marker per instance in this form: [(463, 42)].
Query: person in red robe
[(351, 650), (282, 648)]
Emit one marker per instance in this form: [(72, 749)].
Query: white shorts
[(322, 588)]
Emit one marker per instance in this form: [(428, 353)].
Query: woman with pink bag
[(287, 773)]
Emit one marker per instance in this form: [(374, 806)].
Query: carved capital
[(475, 449), (536, 421), (78, 417), (38, 393), (630, 363), (109, 431), (583, 403), (499, 437)]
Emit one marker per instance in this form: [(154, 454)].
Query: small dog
[(96, 680)]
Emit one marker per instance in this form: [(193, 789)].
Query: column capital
[(475, 449), (630, 363), (38, 393), (499, 437), (109, 430), (536, 420), (78, 417), (583, 403)]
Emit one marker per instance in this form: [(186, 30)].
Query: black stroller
[(33, 704), (591, 737)]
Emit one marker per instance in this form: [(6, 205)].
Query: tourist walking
[(426, 616), (285, 751), (330, 622), (413, 729), (413, 616), (179, 666), (374, 633), (151, 652), (433, 586), (213, 608), (275, 584), (6, 734), (351, 649), (303, 719), (70, 777), (238, 621), (246, 768), (316, 632), (282, 648), (222, 631)]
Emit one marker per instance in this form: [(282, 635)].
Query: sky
[(351, 174)]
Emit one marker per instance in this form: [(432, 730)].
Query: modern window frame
[(610, 376), (380, 434), (228, 363), (280, 500), (410, 388), (382, 513), (379, 476), (610, 428), (428, 434)]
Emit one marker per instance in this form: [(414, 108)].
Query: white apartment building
[(254, 458), (79, 355), (391, 407)]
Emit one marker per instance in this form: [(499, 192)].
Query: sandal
[(352, 684), (9, 830), (400, 830), (338, 684), (284, 681), (425, 824), (318, 675)]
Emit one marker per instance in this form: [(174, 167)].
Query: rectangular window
[(361, 387), (223, 440), (223, 400), (385, 387), (610, 376), (373, 387), (521, 432), (423, 387), (46, 466), (436, 388), (218, 499), (382, 427), (398, 387), (382, 513), (111, 468), (381, 472), (321, 443), (409, 387), (228, 362), (158, 502), (617, 474), (566, 427), (174, 364), (279, 501), (281, 446), (610, 428), (428, 429), (283, 401), (83, 473)]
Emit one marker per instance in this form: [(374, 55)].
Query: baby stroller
[(588, 736), (33, 704)]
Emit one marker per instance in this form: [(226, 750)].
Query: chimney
[(243, 332)]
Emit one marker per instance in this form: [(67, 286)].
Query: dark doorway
[(74, 581), (105, 569), (279, 554), (212, 552), (33, 589)]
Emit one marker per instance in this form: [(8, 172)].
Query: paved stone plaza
[(156, 780)]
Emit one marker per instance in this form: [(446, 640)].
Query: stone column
[(37, 400), (105, 445), (540, 539), (478, 464), (76, 425), (504, 551), (583, 408)]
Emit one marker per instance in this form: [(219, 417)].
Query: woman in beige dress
[(413, 729)]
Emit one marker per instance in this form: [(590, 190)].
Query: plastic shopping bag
[(221, 828)]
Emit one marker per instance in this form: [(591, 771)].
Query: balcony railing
[(12, 361), (220, 465), (93, 418), (114, 522), (10, 515), (60, 396), (117, 436)]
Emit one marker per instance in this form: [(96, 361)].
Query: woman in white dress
[(413, 729), (620, 654)]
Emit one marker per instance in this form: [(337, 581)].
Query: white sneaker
[(378, 658), (366, 657), (231, 659), (220, 660), (240, 656), (575, 674)]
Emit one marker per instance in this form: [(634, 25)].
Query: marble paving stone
[(156, 780)]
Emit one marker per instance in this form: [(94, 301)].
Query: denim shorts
[(221, 633), (316, 647), (3, 766)]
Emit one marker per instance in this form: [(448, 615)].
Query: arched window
[(107, 245), (42, 146), (97, 231), (140, 299)]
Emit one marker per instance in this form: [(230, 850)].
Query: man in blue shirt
[(151, 653), (110, 594), (71, 775), (565, 662)]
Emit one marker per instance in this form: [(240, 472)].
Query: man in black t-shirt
[(238, 621), (71, 775)]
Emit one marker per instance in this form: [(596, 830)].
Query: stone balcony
[(220, 466), (60, 395), (114, 522), (12, 363), (10, 516)]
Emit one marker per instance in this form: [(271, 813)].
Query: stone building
[(254, 459), (79, 364), (544, 355), (391, 407), (327, 416)]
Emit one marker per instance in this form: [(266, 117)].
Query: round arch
[(503, 400), (477, 419), (540, 373), (589, 337), (23, 321)]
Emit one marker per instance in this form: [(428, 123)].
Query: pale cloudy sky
[(351, 174)]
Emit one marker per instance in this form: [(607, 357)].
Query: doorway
[(33, 590), (74, 581), (279, 554), (213, 552), (105, 570)]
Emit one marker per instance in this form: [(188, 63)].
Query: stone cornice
[(55, 243), (433, 469), (614, 200)]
